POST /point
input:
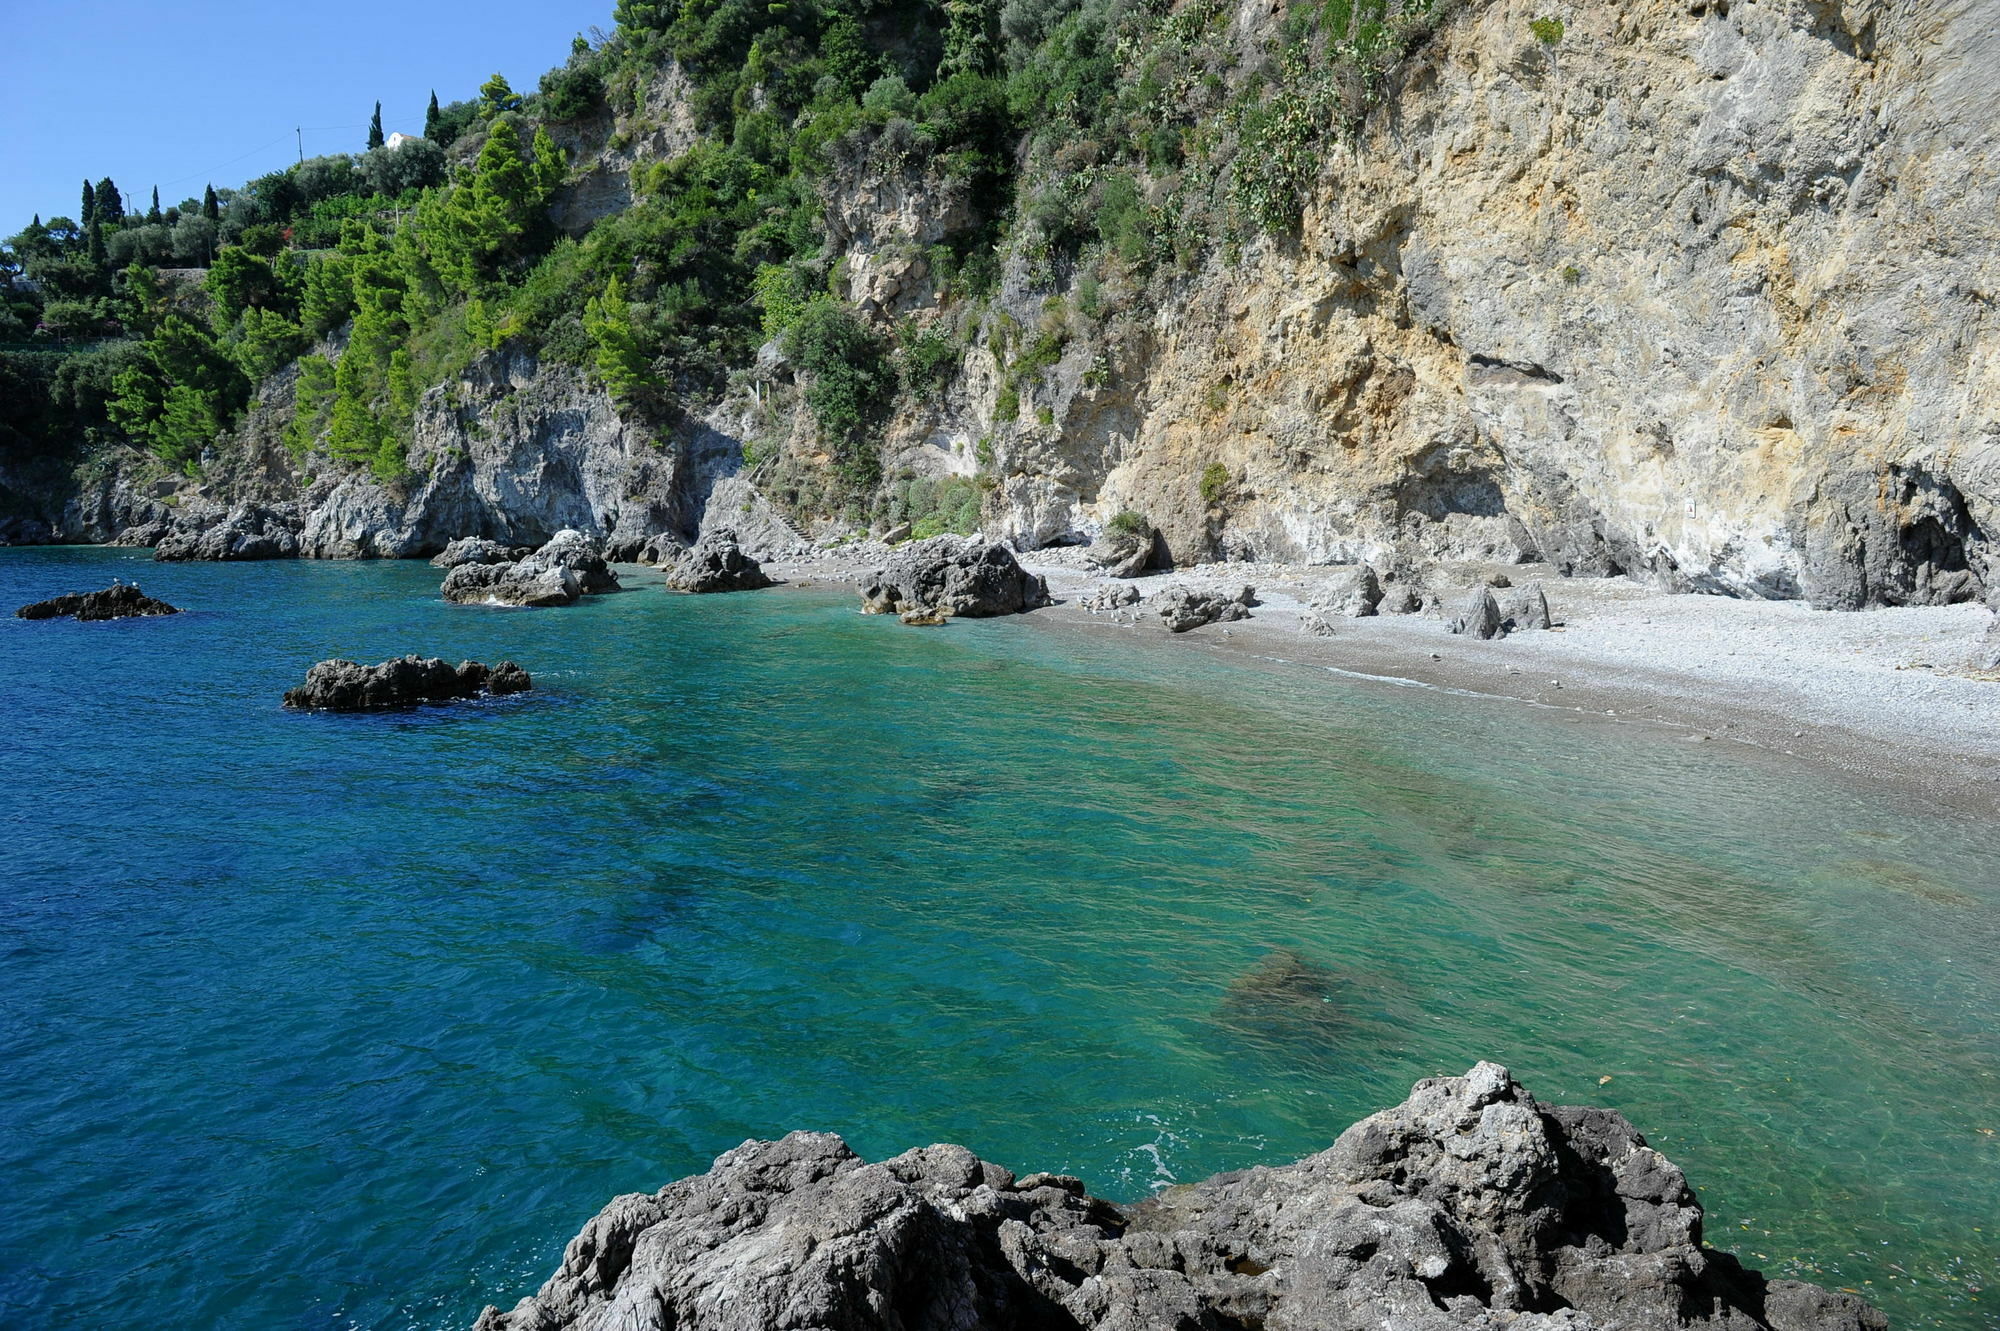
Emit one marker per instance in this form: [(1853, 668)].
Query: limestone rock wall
[(1703, 292)]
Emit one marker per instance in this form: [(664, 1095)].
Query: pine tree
[(153, 214), (211, 208), (89, 205), (432, 117), (375, 139), (110, 204)]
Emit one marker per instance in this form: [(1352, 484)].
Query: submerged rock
[(1183, 608), (963, 576), (1481, 616), (569, 567), (1469, 1205), (118, 601), (407, 681), (717, 564)]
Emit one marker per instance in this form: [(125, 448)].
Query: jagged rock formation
[(476, 550), (1184, 608), (963, 576), (247, 531), (1355, 593), (562, 572), (407, 681), (1469, 1205), (1481, 617), (119, 601), (717, 564)]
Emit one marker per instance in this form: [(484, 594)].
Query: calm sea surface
[(323, 1022)]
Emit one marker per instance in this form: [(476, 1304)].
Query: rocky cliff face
[(1700, 292), (1470, 1205)]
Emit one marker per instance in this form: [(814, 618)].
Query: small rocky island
[(407, 681), (1469, 1205), (118, 601)]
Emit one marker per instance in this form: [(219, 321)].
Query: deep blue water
[(318, 1022)]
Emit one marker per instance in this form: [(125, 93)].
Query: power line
[(211, 174)]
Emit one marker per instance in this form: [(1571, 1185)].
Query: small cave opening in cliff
[(1937, 541)]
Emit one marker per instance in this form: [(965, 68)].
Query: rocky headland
[(118, 601), (407, 681), (1469, 1205)]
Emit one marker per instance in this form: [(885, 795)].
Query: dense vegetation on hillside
[(1107, 144)]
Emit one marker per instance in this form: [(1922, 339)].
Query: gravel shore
[(1879, 695)]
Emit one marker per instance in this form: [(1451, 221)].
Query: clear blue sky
[(181, 94)]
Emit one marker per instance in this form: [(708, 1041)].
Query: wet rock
[(964, 576), (1481, 616), (924, 619), (1469, 1205), (1110, 598), (475, 550), (246, 532), (661, 551), (118, 601), (563, 571), (1354, 592), (407, 681), (1183, 608), (717, 564)]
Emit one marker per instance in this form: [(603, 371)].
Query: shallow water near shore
[(323, 1022)]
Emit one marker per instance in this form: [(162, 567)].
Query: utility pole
[(302, 143)]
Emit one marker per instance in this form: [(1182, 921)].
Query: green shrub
[(1129, 523), (1548, 31), (1214, 483), (850, 384), (927, 363)]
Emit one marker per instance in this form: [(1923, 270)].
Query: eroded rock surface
[(962, 576), (1480, 617), (1469, 1205), (717, 564), (119, 601), (246, 532), (562, 572), (475, 550), (407, 681), (1184, 608)]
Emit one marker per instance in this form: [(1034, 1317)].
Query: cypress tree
[(432, 117), (110, 205), (96, 243), (153, 214), (211, 208), (375, 139), (89, 205)]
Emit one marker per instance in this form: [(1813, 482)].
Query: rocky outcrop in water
[(248, 531), (717, 564), (119, 601), (965, 577), (407, 681), (562, 572), (1183, 608), (1470, 1205), (476, 550)]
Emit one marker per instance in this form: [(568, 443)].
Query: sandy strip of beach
[(1880, 696)]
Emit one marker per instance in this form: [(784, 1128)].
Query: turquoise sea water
[(322, 1022)]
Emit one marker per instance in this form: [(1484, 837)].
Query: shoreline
[(1876, 697)]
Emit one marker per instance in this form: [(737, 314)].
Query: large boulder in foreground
[(717, 564), (964, 576), (407, 681), (118, 601), (562, 572), (1469, 1205), (246, 532)]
